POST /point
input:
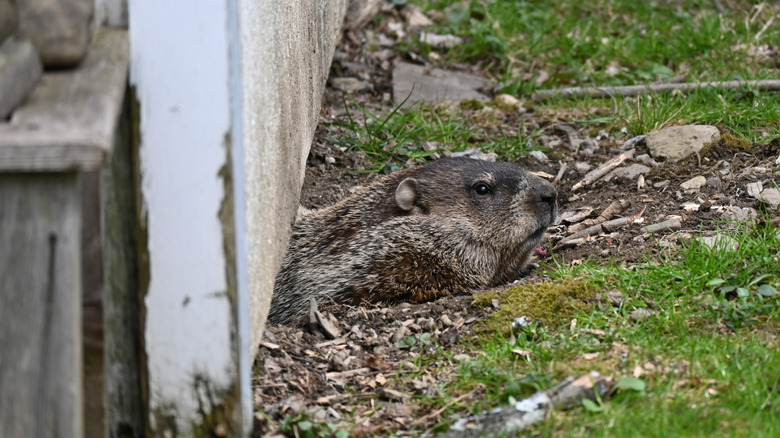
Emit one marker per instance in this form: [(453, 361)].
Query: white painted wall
[(183, 68)]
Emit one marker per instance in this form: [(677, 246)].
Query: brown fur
[(416, 235)]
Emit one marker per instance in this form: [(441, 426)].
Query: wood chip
[(336, 375), (269, 345)]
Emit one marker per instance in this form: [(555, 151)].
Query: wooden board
[(40, 306), (68, 121)]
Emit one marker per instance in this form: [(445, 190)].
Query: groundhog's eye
[(482, 189)]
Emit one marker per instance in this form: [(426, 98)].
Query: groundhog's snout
[(546, 197)]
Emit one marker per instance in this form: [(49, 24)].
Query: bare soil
[(366, 378)]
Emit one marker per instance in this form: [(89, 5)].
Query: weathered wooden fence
[(146, 198)]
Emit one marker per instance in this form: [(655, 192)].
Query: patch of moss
[(553, 303), (726, 141)]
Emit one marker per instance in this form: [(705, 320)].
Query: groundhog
[(455, 225)]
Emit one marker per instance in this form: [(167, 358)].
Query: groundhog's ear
[(406, 193)]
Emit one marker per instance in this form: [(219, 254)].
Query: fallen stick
[(611, 211), (534, 409), (560, 172), (602, 170), (671, 224), (635, 90)]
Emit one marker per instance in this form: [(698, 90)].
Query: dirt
[(365, 379)]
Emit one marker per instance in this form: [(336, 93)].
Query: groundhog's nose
[(546, 196)]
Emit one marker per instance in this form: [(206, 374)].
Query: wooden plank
[(68, 121), (92, 307), (40, 306)]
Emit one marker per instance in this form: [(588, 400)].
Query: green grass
[(401, 137), (715, 354), (746, 113), (605, 42), (600, 43)]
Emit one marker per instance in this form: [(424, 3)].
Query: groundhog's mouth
[(537, 235)]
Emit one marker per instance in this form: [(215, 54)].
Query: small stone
[(506, 101), (677, 142), (629, 173), (398, 335), (735, 213), (720, 242), (582, 167), (694, 183), (647, 160), (330, 160), (415, 17), (539, 156), (754, 189), (640, 314), (446, 320), (662, 184), (348, 84), (714, 182), (770, 197), (777, 161)]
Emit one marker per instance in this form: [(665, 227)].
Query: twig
[(611, 211), (534, 409), (560, 172), (671, 224), (602, 170), (635, 90)]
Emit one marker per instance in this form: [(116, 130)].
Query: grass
[(401, 137), (606, 42), (709, 354), (582, 43)]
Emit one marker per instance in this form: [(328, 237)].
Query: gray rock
[(398, 335), (694, 183), (20, 71), (59, 29), (713, 182), (647, 160), (721, 242), (628, 173), (634, 142), (770, 197), (677, 142), (582, 166), (754, 189), (735, 213), (348, 84), (539, 156), (434, 85), (662, 184)]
